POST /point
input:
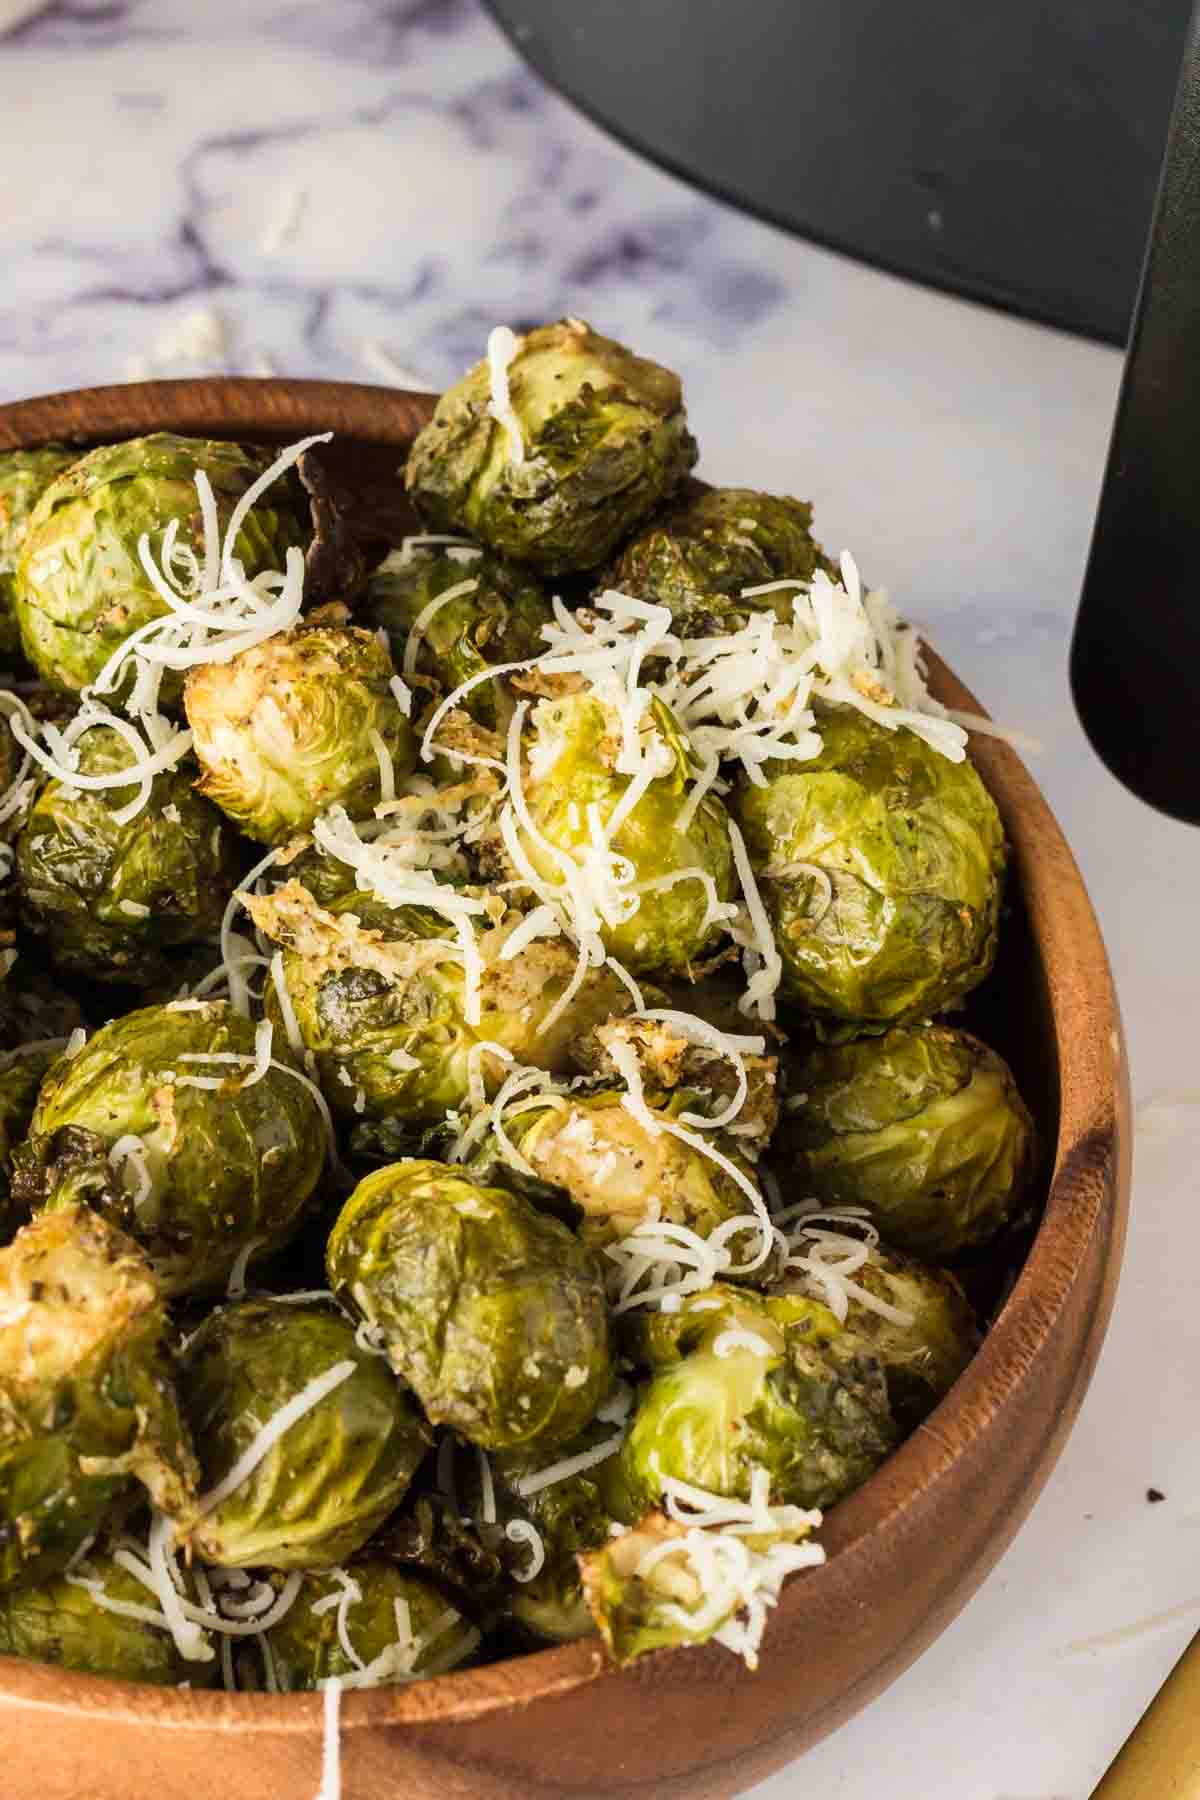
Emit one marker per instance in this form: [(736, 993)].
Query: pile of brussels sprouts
[(479, 1165)]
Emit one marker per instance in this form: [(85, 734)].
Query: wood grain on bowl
[(906, 1551)]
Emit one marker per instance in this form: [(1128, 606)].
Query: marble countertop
[(361, 190)]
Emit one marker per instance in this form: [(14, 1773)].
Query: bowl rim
[(1093, 1105)]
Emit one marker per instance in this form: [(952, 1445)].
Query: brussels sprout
[(379, 996), (573, 781), (568, 1515), (81, 588), (923, 1127), (296, 725), (334, 1475), (498, 621), (663, 1585), (494, 1313), (697, 557), (87, 1410), (24, 476), (217, 1168), (808, 1404), (672, 1060), (114, 899), (616, 1170), (604, 440), (64, 1620), (879, 863), (653, 1339), (399, 1627), (923, 1358)]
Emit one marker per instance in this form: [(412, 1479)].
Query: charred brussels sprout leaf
[(296, 725), (493, 1313), (498, 620), (808, 1404), (697, 557), (682, 874), (379, 996), (202, 1172), (24, 476), (463, 1558), (21, 1074), (923, 1126), (604, 441), (400, 1629), (880, 864), (81, 587), (66, 1621), (115, 899), (334, 1475), (87, 1410)]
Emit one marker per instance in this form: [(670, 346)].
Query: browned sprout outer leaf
[(87, 1409)]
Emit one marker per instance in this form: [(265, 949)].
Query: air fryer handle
[(1135, 658)]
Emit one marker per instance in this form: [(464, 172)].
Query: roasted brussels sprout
[(498, 620), (809, 1404), (923, 1355), (619, 1172), (379, 996), (494, 1313), (65, 1620), (334, 1475), (399, 1627), (24, 476), (81, 587), (698, 556), (603, 440), (296, 725), (87, 1411), (114, 898), (187, 1153), (462, 1557), (663, 1584), (879, 862), (923, 1127), (683, 878)]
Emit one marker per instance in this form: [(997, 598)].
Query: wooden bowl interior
[(1048, 1007)]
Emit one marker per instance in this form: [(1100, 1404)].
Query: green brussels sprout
[(617, 1171), (572, 1514), (880, 864), (217, 1168), (494, 1313), (697, 557), (87, 1411), (604, 440), (114, 898), (81, 588), (498, 621), (296, 725), (379, 996), (24, 477), (923, 1127), (336, 1472), (653, 1588), (572, 752), (923, 1358), (652, 1339), (399, 1627), (64, 1620), (809, 1404)]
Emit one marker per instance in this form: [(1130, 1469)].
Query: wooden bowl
[(905, 1552)]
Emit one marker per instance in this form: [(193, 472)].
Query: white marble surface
[(346, 183)]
